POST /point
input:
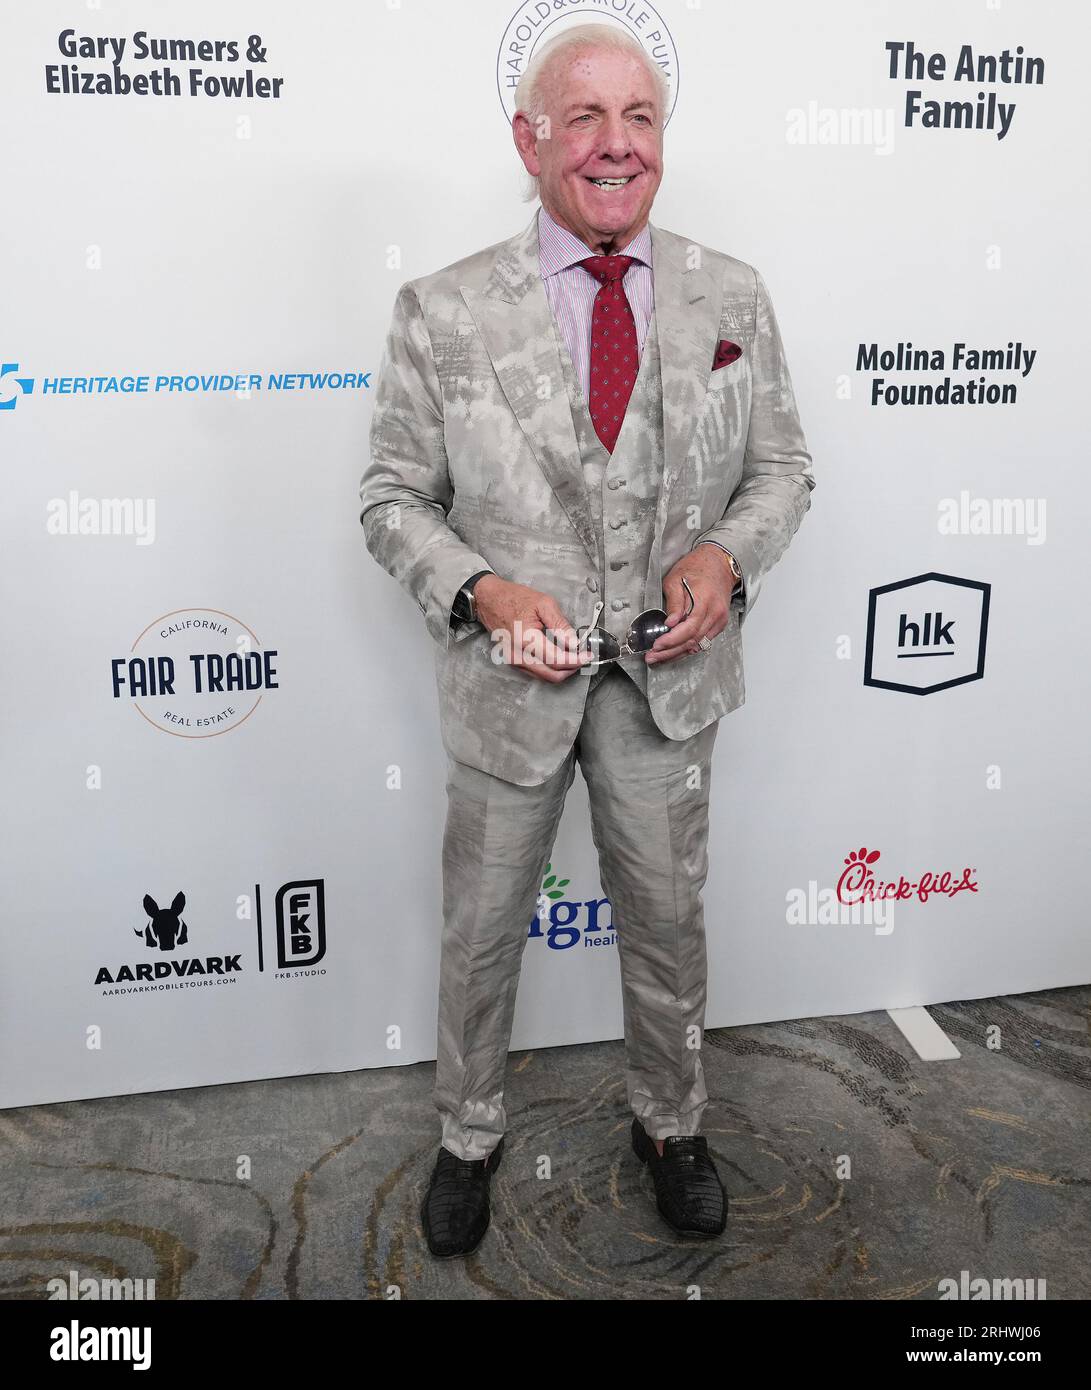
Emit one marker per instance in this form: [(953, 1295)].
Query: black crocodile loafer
[(688, 1190), (455, 1210)]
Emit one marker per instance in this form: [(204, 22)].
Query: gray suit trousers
[(649, 817)]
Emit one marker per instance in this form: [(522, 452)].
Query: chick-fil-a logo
[(859, 884)]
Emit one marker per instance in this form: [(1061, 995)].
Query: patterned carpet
[(980, 1165)]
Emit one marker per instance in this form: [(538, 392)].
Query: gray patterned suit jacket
[(475, 465)]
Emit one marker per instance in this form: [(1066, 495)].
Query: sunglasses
[(643, 631)]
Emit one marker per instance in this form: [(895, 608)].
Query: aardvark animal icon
[(166, 929)]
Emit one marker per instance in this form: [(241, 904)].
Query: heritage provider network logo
[(8, 383), (124, 385), (242, 384)]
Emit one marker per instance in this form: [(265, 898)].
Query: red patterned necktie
[(614, 355)]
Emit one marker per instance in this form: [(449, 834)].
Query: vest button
[(615, 483), (616, 525), (593, 585), (618, 604), (618, 564)]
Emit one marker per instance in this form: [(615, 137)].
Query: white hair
[(530, 90)]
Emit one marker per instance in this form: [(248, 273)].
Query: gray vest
[(623, 491)]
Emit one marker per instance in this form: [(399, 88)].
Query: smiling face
[(605, 123)]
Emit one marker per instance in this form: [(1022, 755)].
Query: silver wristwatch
[(465, 606)]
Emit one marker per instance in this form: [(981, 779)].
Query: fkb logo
[(25, 384), (301, 923)]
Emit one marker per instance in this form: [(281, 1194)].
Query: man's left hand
[(709, 574)]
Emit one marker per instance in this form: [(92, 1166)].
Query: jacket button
[(593, 585), (618, 564), (615, 483), (618, 604), (616, 525)]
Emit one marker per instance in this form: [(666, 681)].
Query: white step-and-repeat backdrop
[(223, 779)]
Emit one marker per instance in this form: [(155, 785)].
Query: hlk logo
[(25, 384), (927, 633), (930, 634)]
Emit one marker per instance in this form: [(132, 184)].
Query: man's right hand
[(529, 628)]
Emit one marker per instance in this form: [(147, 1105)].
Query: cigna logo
[(562, 922), (24, 383)]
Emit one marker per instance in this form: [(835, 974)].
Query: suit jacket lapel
[(516, 325), (688, 303)]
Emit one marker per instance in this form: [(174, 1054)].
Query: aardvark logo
[(165, 928)]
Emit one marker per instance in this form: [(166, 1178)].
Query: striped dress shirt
[(571, 289)]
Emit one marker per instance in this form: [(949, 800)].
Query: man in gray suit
[(571, 427)]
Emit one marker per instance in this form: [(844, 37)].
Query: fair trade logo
[(195, 673)]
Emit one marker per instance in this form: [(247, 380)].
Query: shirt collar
[(559, 249)]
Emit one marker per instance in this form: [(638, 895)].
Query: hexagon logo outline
[(976, 674)]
